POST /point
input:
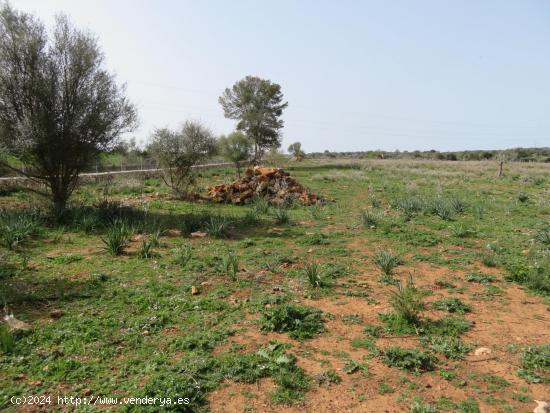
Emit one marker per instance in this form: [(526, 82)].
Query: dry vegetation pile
[(272, 184)]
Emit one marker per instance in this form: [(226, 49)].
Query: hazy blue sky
[(358, 75)]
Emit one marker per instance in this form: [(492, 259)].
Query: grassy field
[(418, 286)]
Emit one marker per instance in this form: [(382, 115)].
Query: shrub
[(301, 322), (230, 263), (117, 238), (412, 360), (386, 261), (452, 305)]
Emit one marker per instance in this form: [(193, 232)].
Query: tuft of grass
[(15, 228), (374, 331), (299, 321), (386, 261), (218, 226), (117, 237), (183, 255), (7, 340), (328, 378), (452, 305), (370, 219), (411, 360), (407, 301), (146, 249), (259, 205), (312, 273), (462, 231), (281, 216), (535, 364), (230, 263), (419, 407)]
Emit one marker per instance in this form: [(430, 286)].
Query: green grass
[(386, 261)]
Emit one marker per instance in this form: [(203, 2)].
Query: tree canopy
[(59, 107), (257, 104)]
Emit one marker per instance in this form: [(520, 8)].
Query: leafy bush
[(386, 261), (412, 360), (535, 364), (301, 322), (117, 238), (452, 305)]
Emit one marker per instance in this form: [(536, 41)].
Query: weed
[(480, 278), (412, 360), (386, 261), (183, 255), (451, 347), (312, 272), (218, 226), (7, 341), (543, 236), (352, 366), (535, 364), (384, 388), (373, 331), (192, 222), (328, 377), (467, 406), (314, 239), (452, 305), (489, 260), (281, 215), (117, 238), (260, 205), (146, 249), (447, 374), (352, 319), (462, 231), (15, 228), (419, 407), (407, 301), (301, 322), (523, 197), (366, 344), (230, 263), (370, 219)]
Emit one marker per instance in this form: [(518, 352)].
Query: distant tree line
[(514, 154)]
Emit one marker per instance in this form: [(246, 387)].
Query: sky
[(357, 75)]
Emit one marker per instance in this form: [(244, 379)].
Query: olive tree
[(59, 106), (296, 150), (177, 152), (257, 104), (236, 147)]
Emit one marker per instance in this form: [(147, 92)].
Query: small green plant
[(183, 255), (523, 197), (386, 261), (412, 360), (419, 407), (374, 331), (384, 388), (369, 219), (462, 231), (352, 366), (447, 374), (7, 341), (281, 215), (89, 223), (299, 321), (328, 377), (480, 278), (15, 228), (452, 305), (218, 226), (407, 301), (260, 205), (543, 236), (312, 272), (146, 249), (451, 347), (489, 260), (117, 238), (230, 264), (535, 364), (352, 319), (314, 239), (467, 406)]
